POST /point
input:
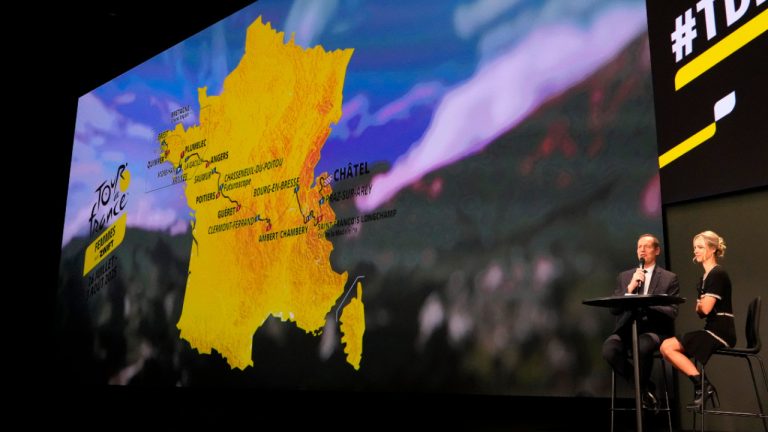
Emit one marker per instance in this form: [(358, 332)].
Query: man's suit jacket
[(657, 319)]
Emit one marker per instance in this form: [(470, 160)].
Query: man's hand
[(637, 279)]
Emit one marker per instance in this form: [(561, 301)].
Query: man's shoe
[(649, 401)]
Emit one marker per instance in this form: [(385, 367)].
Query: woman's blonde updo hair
[(713, 240)]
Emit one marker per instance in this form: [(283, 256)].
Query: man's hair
[(655, 240)]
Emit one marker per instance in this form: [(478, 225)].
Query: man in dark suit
[(655, 323)]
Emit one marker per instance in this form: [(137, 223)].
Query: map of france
[(259, 212)]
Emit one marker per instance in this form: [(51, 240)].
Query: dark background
[(740, 219)]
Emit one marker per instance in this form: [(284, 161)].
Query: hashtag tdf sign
[(710, 73)]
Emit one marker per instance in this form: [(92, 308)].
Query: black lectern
[(635, 303)]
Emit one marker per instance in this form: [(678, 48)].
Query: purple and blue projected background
[(514, 139)]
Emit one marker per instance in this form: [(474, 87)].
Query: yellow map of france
[(258, 208)]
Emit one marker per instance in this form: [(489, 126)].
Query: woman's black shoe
[(700, 399)]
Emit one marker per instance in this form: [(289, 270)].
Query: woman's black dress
[(719, 330)]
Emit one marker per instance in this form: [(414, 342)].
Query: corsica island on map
[(259, 211)]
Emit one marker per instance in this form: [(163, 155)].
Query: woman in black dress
[(714, 304)]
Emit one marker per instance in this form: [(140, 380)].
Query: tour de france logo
[(108, 218)]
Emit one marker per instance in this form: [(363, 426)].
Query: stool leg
[(757, 393), (666, 392), (613, 396), (693, 417), (704, 400), (762, 368)]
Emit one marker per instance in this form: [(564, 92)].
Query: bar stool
[(666, 406), (752, 350)]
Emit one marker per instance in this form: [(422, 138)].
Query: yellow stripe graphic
[(730, 44), (687, 145), (107, 242)]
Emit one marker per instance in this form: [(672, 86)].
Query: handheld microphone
[(640, 284)]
